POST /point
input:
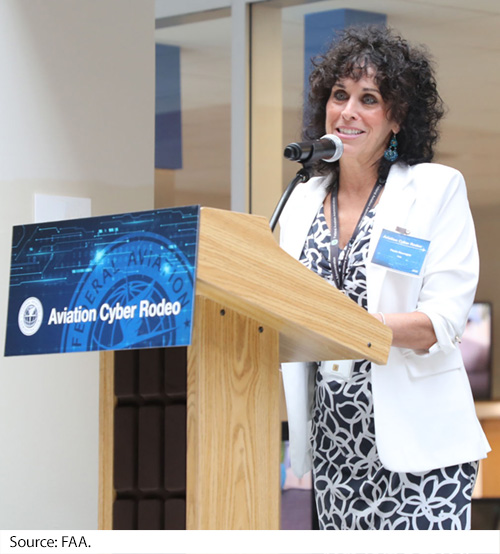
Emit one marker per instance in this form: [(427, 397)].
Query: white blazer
[(424, 411)]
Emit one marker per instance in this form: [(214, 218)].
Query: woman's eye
[(369, 99), (339, 94)]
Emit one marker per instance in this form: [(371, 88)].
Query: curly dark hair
[(405, 77)]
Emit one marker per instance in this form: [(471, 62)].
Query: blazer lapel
[(392, 212), (307, 203)]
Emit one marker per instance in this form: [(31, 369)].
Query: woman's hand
[(411, 330)]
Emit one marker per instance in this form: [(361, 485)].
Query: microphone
[(328, 148)]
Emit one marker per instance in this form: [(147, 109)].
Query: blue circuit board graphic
[(103, 283)]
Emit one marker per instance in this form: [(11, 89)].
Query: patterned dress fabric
[(353, 490)]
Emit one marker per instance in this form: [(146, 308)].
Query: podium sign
[(103, 283)]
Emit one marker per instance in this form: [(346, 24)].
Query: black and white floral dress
[(352, 488)]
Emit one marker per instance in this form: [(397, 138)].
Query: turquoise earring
[(391, 154)]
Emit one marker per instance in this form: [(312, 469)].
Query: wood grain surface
[(241, 265), (233, 448), (106, 445)]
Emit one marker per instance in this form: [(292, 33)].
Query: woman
[(394, 446)]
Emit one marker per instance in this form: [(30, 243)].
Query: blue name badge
[(401, 252)]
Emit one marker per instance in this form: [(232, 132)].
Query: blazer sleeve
[(452, 267)]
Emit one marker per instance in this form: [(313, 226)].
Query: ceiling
[(464, 39)]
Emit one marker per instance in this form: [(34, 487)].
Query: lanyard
[(338, 274)]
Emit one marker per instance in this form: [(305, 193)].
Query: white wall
[(77, 119)]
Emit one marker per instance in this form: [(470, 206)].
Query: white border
[(252, 542)]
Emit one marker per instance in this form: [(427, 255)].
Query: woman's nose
[(350, 110)]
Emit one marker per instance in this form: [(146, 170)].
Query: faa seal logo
[(147, 282), (30, 316)]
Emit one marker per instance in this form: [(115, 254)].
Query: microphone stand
[(302, 176)]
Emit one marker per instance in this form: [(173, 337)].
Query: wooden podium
[(255, 307)]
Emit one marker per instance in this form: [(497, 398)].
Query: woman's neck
[(355, 179)]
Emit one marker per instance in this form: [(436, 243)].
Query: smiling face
[(358, 115)]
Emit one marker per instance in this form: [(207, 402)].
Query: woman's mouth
[(349, 131)]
